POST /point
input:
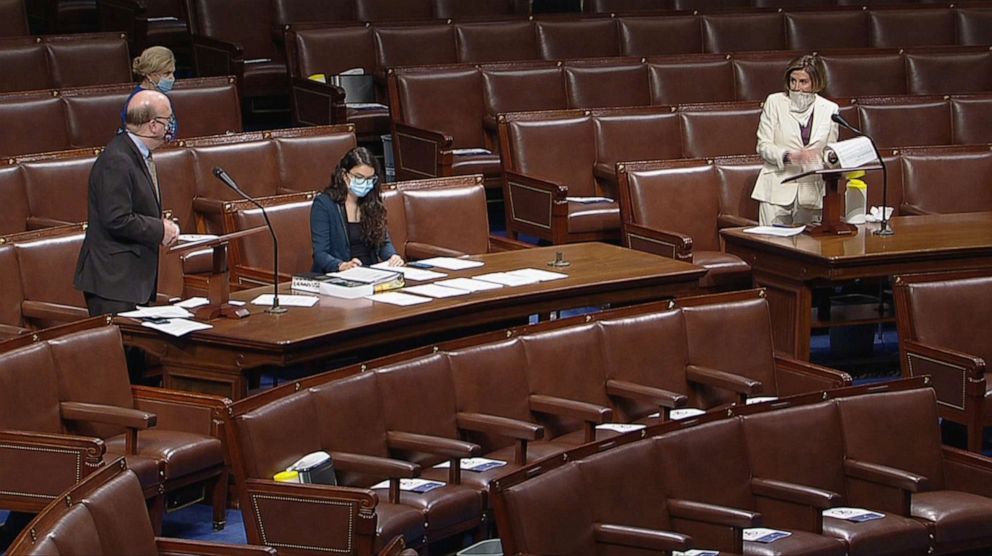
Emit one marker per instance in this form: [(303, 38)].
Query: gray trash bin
[(387, 154), (491, 546)]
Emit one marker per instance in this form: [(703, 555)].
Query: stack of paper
[(451, 263), (469, 285), (434, 290), (177, 327), (398, 298), (286, 300), (411, 273)]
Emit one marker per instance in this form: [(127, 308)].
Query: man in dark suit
[(118, 262)]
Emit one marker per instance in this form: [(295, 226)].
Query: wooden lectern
[(832, 220), (219, 289)]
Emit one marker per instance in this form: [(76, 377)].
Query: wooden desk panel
[(791, 267), (219, 359)]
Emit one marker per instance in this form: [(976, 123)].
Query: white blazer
[(778, 132)]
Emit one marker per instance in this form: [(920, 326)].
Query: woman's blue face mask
[(360, 186)]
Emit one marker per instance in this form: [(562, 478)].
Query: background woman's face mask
[(361, 186)]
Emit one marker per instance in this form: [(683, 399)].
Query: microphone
[(228, 181), (883, 229)]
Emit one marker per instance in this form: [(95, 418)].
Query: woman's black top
[(359, 249)]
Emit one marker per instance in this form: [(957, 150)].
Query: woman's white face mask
[(800, 101)]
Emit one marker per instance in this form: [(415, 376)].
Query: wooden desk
[(224, 358), (791, 267)]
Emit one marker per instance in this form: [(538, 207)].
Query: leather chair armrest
[(722, 379), (177, 410), (8, 331), (885, 475), (591, 413), (108, 414), (415, 250), (908, 209), (497, 244), (450, 447), (973, 366), (733, 221), (795, 493), (65, 459), (204, 548), (666, 243), (217, 57), (799, 377), (373, 465), (503, 426), (323, 103), (639, 537), (207, 205), (38, 222), (711, 513), (967, 471), (45, 311), (421, 153), (656, 396)]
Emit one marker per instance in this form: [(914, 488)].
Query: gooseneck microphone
[(883, 229), (228, 181)]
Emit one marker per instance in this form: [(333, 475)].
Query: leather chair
[(955, 361), (744, 31), (585, 38), (939, 72), (803, 472), (25, 62), (894, 28), (384, 10), (648, 133), (36, 123), (88, 59), (88, 401), (947, 180), (104, 514), (719, 129), (495, 42), (894, 452), (758, 74), (971, 120), (851, 75), (617, 84), (918, 123), (814, 30), (972, 25), (674, 212), (668, 34), (13, 19), (290, 12), (703, 465), (481, 8), (157, 22), (682, 80), (405, 45)]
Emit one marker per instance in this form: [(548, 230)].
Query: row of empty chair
[(63, 119), (516, 396), (632, 6), (443, 114), (68, 409), (548, 157), (699, 483), (61, 61)]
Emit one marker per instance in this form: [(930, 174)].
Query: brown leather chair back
[(491, 42), (252, 29), (14, 209), (707, 463), (966, 299), (684, 200), (623, 486), (717, 130), (13, 19), (41, 414), (480, 8), (667, 34), (971, 120), (681, 81), (561, 150), (57, 187), (812, 30), (973, 25), (33, 123), (900, 28), (452, 216), (737, 180), (382, 10), (274, 436), (307, 161), (917, 123), (25, 64), (948, 182), (585, 38), (648, 135), (448, 99), (45, 281), (851, 75), (938, 72), (758, 74), (93, 59), (252, 164), (331, 50), (409, 45), (517, 90), (291, 222), (395, 219), (594, 85), (286, 12), (742, 31)]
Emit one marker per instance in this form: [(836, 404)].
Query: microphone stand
[(884, 229), (228, 181)]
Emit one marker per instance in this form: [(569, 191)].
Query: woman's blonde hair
[(811, 64), (154, 59)]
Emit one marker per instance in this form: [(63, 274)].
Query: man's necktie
[(154, 174)]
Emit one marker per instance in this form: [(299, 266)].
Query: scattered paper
[(177, 327), (286, 300), (764, 535), (367, 275), (194, 302), (696, 553), (469, 284), (473, 464), (684, 413), (471, 152), (398, 298), (620, 427), (537, 274), (588, 200), (779, 231), (507, 279), (410, 273), (158, 312), (366, 106), (857, 515), (434, 290), (760, 399), (413, 485), (451, 263)]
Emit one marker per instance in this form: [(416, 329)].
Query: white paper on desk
[(451, 263), (588, 200), (620, 427), (471, 152), (537, 274), (469, 284), (286, 300), (411, 273), (777, 231), (398, 298), (853, 152), (158, 311), (367, 275), (760, 399), (178, 327), (434, 290), (507, 279), (365, 106), (194, 302), (679, 414), (696, 552)]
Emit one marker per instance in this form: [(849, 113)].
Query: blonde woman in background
[(156, 66), (795, 125)]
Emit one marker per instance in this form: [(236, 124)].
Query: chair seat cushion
[(799, 542), (485, 164), (723, 269), (892, 534), (593, 217), (182, 453), (956, 516), (398, 519), (444, 507)]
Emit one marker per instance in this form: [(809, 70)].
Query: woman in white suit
[(795, 126)]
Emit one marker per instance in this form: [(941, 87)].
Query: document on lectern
[(852, 152)]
